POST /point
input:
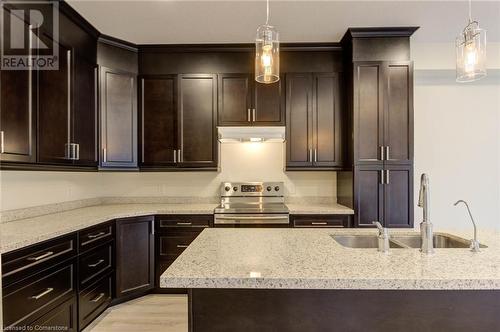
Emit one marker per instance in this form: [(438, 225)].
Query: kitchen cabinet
[(314, 121), (244, 102), (321, 221), (159, 139), (134, 257), (118, 119), (197, 114)]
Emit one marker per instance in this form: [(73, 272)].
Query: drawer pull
[(184, 223), (37, 258), (93, 236), (319, 223), (99, 262), (98, 298), (42, 294), (182, 245)]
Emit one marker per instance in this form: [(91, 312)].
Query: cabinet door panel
[(134, 256), (159, 120), (368, 112), (326, 120), (398, 122), (299, 119), (234, 99), (198, 117), (398, 196), (118, 119), (84, 115), (268, 105), (368, 196), (54, 110)]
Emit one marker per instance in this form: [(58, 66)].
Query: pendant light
[(267, 50), (471, 52)]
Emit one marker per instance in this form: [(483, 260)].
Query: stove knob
[(277, 188), (268, 188), (227, 188), (235, 188)]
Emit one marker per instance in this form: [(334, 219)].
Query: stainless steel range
[(251, 204)]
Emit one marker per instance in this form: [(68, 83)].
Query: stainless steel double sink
[(401, 241)]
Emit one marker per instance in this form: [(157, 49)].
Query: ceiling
[(186, 21)]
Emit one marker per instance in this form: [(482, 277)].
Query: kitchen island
[(303, 280)]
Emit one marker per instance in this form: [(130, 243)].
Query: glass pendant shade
[(267, 60), (471, 53)]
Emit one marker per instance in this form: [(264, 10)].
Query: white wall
[(243, 162), (457, 138)]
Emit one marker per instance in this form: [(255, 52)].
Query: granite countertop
[(318, 208), (25, 232), (311, 259)]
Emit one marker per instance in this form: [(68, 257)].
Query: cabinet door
[(159, 120), (84, 114), (368, 112), (398, 196), (368, 199), (398, 116), (17, 120), (134, 256), (268, 109), (198, 118), (299, 120), (326, 120), (234, 100), (54, 110), (118, 119)]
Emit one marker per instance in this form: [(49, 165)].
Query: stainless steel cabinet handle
[(42, 294), (319, 223), (310, 155), (93, 236), (381, 176), (387, 176), (184, 223), (68, 59), (104, 155), (175, 156), (179, 156), (182, 246), (387, 153), (37, 258), (315, 155), (98, 298), (2, 150), (253, 112), (248, 115), (381, 152), (99, 262)]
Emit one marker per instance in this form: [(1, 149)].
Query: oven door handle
[(283, 219)]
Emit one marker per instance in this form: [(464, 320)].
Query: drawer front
[(94, 300), (94, 236), (332, 221), (186, 222), (95, 262), (63, 318), (24, 300), (171, 246), (37, 257)]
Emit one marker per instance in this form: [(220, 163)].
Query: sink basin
[(361, 241), (440, 241)]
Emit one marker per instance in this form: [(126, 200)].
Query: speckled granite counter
[(24, 232), (311, 259), (318, 208)]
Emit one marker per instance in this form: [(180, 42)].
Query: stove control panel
[(252, 189)]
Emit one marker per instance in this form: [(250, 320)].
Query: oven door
[(251, 220)]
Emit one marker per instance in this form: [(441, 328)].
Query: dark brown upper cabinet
[(197, 115), (134, 257), (314, 121), (244, 102), (158, 134), (118, 119), (383, 112)]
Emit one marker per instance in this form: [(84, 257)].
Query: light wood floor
[(151, 313)]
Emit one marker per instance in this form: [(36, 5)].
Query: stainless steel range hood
[(251, 134)]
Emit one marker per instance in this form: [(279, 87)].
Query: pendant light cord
[(267, 13)]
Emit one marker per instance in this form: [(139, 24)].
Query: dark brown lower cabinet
[(383, 194), (321, 221), (93, 300), (63, 317), (134, 257)]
